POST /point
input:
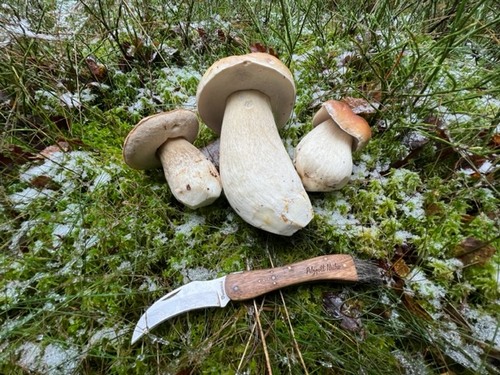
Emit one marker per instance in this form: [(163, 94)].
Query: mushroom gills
[(192, 178), (323, 158), (258, 176)]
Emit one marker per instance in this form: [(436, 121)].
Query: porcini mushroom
[(323, 158), (165, 139), (246, 99)]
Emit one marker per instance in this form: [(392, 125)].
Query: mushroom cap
[(141, 144), (346, 119), (254, 71)]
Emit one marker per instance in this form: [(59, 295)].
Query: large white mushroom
[(246, 99), (165, 139), (323, 158)]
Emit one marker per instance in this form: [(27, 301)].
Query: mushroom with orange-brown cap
[(246, 99), (165, 139), (323, 158)]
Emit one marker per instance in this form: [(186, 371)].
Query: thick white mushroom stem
[(192, 178), (323, 158), (257, 174)]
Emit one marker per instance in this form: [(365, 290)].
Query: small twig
[(263, 337), (261, 334), (246, 349), (289, 321)]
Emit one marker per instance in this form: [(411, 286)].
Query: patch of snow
[(466, 354), (87, 243), (361, 171), (14, 289), (414, 206), (70, 100), (103, 178), (412, 365), (106, 334), (29, 355), (161, 238), (486, 167), (124, 266), (415, 139), (65, 10), (62, 168), (190, 102), (22, 199), (490, 103), (190, 223), (72, 267), (455, 118), (60, 232), (53, 359), (144, 98), (197, 274), (23, 230), (67, 99), (325, 364), (431, 292), (229, 226), (21, 27), (149, 284), (485, 328), (402, 236)]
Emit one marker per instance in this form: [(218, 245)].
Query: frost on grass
[(51, 100), (68, 172), (51, 359), (173, 85), (412, 365), (106, 334), (455, 347), (485, 327)]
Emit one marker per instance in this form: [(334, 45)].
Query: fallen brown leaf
[(362, 107), (259, 47), (414, 306), (13, 155), (98, 70), (474, 252), (48, 151), (401, 268), (42, 182), (495, 140)]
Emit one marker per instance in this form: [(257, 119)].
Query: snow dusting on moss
[(51, 359)]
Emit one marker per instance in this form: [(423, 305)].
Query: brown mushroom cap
[(254, 71), (346, 119), (141, 144)]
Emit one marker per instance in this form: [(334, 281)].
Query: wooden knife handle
[(249, 284)]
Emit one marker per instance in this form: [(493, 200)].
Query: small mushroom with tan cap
[(246, 99), (323, 158), (165, 139)]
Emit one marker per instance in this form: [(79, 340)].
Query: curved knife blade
[(192, 296)]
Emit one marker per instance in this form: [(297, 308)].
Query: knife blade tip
[(138, 333)]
